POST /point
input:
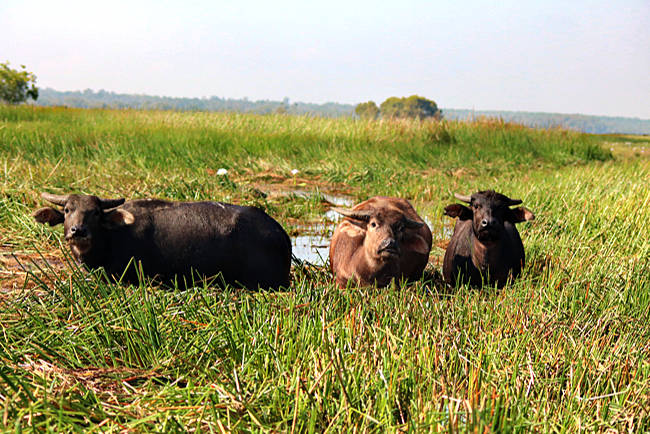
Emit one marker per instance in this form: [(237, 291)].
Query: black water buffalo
[(379, 240), (173, 241), (485, 247)]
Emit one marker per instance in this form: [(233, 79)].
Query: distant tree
[(367, 110), (393, 107), (15, 85), (413, 106)]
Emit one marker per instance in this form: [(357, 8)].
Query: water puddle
[(311, 248), (346, 201), (313, 240)]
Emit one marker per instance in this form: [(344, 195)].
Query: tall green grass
[(238, 140), (564, 348)]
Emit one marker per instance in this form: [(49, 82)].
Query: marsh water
[(313, 241)]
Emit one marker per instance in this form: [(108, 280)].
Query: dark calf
[(486, 246)]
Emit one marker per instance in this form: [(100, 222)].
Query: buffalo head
[(488, 211), (384, 230), (83, 217)]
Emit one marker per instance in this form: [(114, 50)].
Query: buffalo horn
[(55, 198), (466, 199), (110, 203), (514, 202), (356, 214)]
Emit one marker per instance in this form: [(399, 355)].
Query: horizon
[(583, 58), (339, 103)]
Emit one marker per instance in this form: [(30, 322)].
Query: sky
[(590, 57)]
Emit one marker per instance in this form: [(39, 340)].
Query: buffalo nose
[(78, 231), (388, 244)]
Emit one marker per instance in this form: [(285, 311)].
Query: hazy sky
[(588, 57)]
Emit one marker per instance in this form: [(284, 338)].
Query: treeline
[(105, 99)]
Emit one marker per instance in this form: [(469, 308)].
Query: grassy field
[(564, 348)]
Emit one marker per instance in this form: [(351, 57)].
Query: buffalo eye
[(66, 210), (373, 225)]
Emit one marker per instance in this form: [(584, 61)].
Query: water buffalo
[(379, 240), (485, 247), (173, 241)]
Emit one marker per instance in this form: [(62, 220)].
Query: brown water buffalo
[(173, 241), (379, 240), (486, 247)]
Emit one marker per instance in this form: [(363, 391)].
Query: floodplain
[(565, 348)]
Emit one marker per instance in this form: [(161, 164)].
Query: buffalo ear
[(119, 217), (352, 230), (412, 224), (460, 211), (48, 215), (520, 214)]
